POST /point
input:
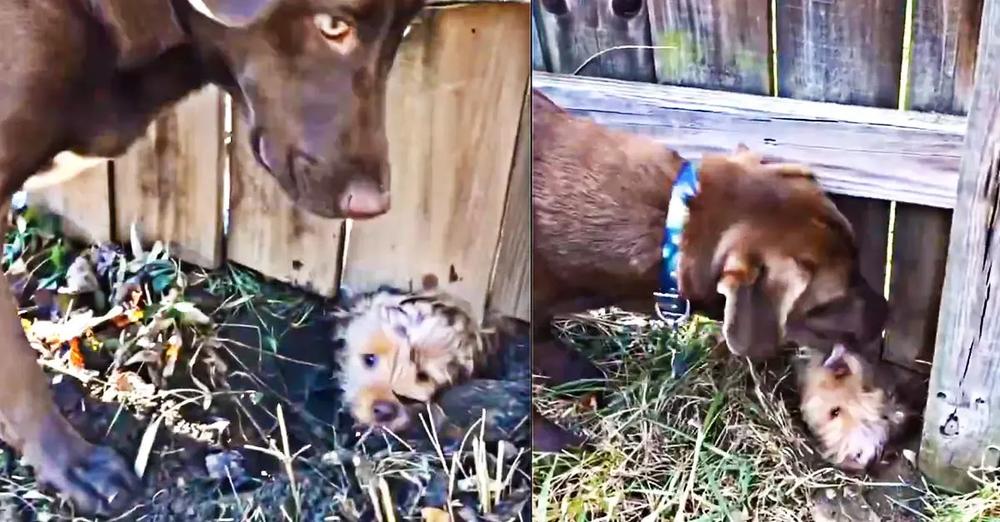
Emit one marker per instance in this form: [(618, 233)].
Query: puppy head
[(786, 261), (403, 348), (848, 417)]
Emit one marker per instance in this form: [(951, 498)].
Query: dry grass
[(690, 433)]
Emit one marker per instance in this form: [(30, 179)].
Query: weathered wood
[(945, 34), (573, 31), (452, 130), (270, 234), (83, 202), (539, 61), (170, 182), (960, 422), (919, 253), (716, 44), (510, 290), (844, 52), (858, 151)]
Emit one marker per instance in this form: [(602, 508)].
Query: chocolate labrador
[(84, 78)]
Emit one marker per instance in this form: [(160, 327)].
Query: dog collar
[(670, 306)]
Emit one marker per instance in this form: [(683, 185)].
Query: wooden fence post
[(959, 428)]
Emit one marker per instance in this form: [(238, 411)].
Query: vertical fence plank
[(844, 52), (572, 31), (452, 129), (716, 44), (83, 202), (170, 182), (268, 233), (510, 290), (961, 425), (539, 61), (945, 35)]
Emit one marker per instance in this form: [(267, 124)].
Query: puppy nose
[(385, 411)]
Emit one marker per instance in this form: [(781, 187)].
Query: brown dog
[(763, 249), (86, 77)]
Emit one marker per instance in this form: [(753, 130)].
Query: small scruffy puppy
[(852, 418), (404, 347)]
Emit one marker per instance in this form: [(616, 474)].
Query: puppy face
[(848, 417), (785, 261), (403, 348)]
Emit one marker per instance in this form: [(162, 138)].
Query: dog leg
[(94, 478)]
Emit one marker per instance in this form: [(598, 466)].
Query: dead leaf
[(75, 355), (173, 351), (146, 446), (430, 514)]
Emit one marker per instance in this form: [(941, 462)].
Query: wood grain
[(857, 151), (170, 181), (844, 52), (945, 34), (717, 44), (919, 254), (960, 422), (270, 234), (452, 130), (82, 202), (510, 290), (572, 31)]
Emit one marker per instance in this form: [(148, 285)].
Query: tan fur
[(845, 412), (421, 343)]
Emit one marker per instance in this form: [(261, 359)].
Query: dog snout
[(385, 412)]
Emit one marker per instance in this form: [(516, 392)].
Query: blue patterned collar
[(669, 304)]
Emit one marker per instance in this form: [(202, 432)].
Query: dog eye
[(423, 377), (835, 412), (336, 29), (369, 360)]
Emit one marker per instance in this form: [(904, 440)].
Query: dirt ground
[(221, 386)]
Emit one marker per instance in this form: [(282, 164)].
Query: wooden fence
[(817, 82), (457, 126)]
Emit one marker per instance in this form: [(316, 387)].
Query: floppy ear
[(141, 29), (234, 13), (750, 322)]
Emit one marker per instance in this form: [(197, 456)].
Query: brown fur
[(88, 76), (764, 249)]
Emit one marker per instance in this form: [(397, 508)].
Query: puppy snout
[(385, 412)]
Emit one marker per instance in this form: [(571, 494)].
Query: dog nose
[(362, 199), (385, 411)]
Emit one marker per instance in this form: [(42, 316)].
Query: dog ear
[(141, 29), (750, 322), (760, 290), (233, 13)]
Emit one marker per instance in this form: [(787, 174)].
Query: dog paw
[(98, 482)]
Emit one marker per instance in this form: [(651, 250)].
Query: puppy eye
[(369, 360), (423, 377), (835, 412), (332, 28)]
